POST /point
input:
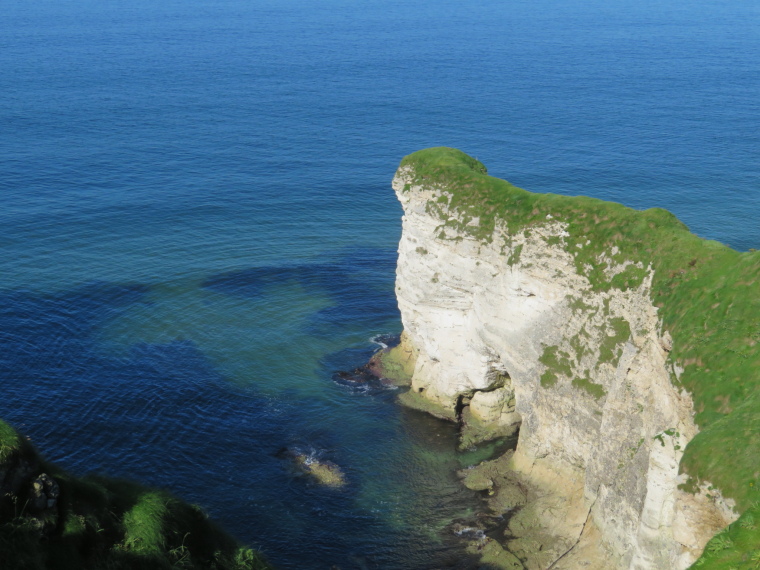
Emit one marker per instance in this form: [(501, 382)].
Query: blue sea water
[(198, 231)]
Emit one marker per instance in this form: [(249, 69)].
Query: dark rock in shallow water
[(389, 368), (362, 379), (394, 362), (325, 472), (469, 532), (321, 470)]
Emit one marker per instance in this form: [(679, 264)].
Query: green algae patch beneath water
[(52, 520), (708, 296), (469, 458)]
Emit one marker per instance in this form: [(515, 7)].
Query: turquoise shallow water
[(198, 230)]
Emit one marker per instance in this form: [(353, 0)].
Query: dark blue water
[(198, 229)]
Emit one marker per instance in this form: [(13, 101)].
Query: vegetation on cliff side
[(51, 520), (708, 297)]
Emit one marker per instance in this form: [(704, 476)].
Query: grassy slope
[(106, 524), (708, 297)]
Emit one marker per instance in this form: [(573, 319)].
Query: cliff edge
[(624, 348)]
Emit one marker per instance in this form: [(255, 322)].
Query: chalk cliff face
[(510, 327)]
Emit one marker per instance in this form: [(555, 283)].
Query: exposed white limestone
[(514, 328)]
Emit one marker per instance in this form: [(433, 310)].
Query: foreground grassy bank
[(51, 520), (708, 297)]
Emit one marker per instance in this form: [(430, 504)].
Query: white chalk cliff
[(509, 326)]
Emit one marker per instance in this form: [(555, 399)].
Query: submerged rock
[(322, 471), (325, 472), (362, 379), (468, 531)]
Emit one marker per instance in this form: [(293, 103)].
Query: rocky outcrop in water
[(322, 471)]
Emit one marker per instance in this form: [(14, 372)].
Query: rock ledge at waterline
[(599, 331)]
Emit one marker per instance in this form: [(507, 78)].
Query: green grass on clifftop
[(708, 297)]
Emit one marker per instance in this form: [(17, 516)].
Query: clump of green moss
[(558, 363), (548, 379), (577, 345), (9, 441), (556, 360), (708, 297), (98, 523), (514, 257), (609, 350), (596, 390)]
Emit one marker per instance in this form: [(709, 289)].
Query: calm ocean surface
[(198, 228)]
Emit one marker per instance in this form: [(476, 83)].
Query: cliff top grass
[(708, 297)]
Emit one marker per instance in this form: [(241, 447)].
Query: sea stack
[(601, 332)]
